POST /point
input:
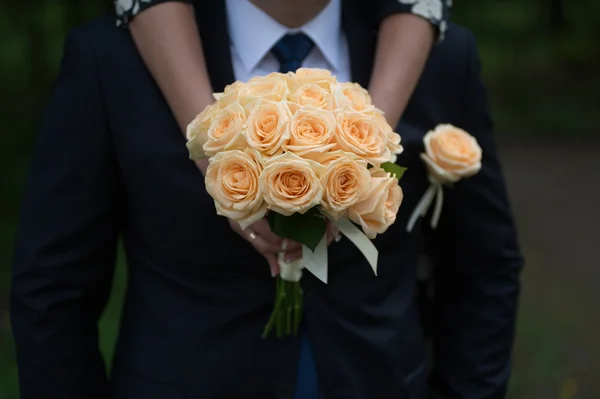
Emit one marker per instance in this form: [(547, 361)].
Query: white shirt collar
[(252, 44)]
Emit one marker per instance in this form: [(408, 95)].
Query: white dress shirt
[(253, 33)]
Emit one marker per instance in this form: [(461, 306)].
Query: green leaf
[(395, 170), (307, 229)]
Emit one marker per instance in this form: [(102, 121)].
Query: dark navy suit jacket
[(110, 162)]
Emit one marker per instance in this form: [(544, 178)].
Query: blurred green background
[(541, 64)]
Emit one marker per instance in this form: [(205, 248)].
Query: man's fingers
[(269, 244), (333, 233), (264, 230), (293, 250), (290, 246), (255, 234), (236, 227), (266, 248), (330, 239), (291, 256), (273, 264), (263, 246), (332, 230), (262, 227)]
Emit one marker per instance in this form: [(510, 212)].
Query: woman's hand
[(266, 242)]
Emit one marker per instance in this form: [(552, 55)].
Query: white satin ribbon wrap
[(290, 271), (316, 262), (436, 191)]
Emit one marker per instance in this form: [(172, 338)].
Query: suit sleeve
[(437, 12), (477, 268), (66, 240)]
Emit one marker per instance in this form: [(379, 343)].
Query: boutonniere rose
[(451, 154)]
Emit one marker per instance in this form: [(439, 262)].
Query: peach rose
[(325, 158), (351, 95), (378, 210), (232, 180), (268, 127), (359, 133), (344, 183), (320, 77), (291, 184), (451, 154), (272, 87), (229, 95), (235, 86), (311, 130), (227, 130), (393, 138), (310, 94), (197, 131)]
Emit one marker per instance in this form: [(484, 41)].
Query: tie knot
[(291, 50)]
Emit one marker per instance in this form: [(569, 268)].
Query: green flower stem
[(281, 297), (276, 310), (287, 312)]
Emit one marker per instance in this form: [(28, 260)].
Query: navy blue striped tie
[(291, 50)]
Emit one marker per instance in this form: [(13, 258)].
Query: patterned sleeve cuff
[(127, 9), (437, 12)]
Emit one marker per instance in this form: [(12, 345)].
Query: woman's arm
[(407, 31), (404, 43), (167, 38)]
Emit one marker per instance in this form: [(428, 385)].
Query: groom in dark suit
[(110, 162)]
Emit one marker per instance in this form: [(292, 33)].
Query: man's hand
[(332, 234), (269, 244), (264, 241)]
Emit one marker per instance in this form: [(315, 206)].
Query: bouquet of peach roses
[(301, 149)]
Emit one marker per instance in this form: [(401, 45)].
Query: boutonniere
[(451, 154)]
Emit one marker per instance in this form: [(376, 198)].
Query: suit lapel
[(361, 38), (212, 23)]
